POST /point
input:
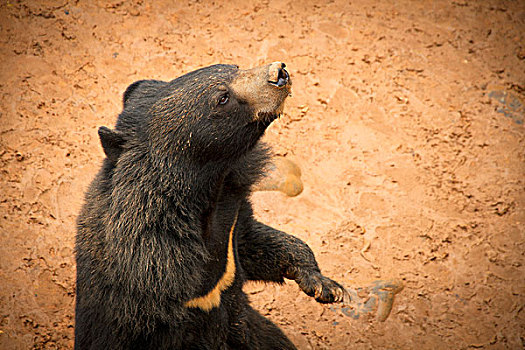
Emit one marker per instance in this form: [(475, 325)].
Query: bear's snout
[(264, 88), (278, 75)]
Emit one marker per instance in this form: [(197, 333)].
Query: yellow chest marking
[(213, 298)]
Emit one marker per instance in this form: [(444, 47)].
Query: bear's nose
[(277, 75)]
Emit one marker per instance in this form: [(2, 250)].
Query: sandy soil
[(406, 119)]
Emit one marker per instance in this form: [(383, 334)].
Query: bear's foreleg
[(268, 254)]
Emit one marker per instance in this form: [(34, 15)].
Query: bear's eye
[(224, 99)]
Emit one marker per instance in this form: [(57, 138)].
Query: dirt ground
[(406, 119)]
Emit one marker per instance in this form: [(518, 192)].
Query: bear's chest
[(219, 230)]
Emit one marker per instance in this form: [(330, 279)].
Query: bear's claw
[(322, 288)]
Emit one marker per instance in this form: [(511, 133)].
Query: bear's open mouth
[(267, 117)]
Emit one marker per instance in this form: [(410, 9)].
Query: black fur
[(153, 231)]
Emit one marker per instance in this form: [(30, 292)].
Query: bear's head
[(208, 115)]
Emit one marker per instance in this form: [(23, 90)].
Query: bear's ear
[(142, 90), (129, 91), (112, 142)]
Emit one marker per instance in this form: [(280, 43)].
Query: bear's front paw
[(314, 284)]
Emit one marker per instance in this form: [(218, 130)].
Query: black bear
[(166, 237)]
